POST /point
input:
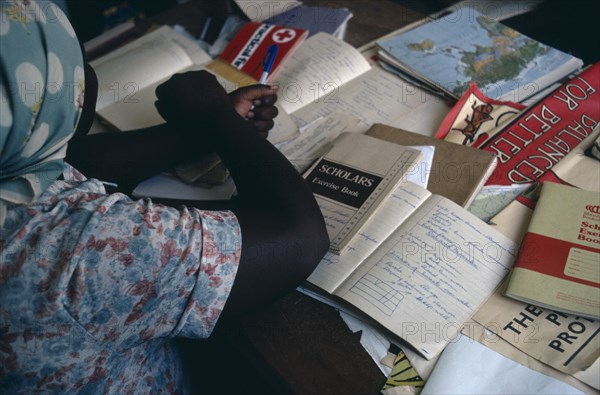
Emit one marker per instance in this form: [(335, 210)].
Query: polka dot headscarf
[(41, 97)]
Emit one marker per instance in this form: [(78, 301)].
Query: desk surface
[(304, 347), (371, 18)]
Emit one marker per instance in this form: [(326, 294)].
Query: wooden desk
[(296, 345), (304, 347), (371, 18)]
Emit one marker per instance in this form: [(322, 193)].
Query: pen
[(268, 63)]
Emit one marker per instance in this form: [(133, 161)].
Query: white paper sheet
[(468, 367)]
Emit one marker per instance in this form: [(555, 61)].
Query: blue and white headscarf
[(41, 97)]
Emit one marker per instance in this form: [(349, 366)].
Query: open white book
[(326, 75), (421, 266), (450, 52), (128, 77)]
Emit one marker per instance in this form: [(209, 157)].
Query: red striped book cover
[(539, 137), (558, 265)]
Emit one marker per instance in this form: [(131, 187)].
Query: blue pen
[(268, 62)]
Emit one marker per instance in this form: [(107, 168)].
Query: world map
[(508, 55), (449, 52)]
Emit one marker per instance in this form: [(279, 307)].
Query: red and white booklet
[(558, 264), (248, 49)]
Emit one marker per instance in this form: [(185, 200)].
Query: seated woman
[(94, 286)]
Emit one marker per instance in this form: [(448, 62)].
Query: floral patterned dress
[(93, 287)]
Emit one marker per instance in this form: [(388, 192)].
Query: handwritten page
[(373, 97), (353, 179), (424, 119), (316, 139), (334, 269), (431, 275), (316, 70), (327, 75)]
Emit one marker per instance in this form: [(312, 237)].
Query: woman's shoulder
[(71, 182)]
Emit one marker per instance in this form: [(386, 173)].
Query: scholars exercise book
[(558, 265), (451, 51), (353, 179)]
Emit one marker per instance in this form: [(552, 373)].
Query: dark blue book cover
[(314, 19)]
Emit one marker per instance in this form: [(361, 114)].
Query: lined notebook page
[(431, 275), (316, 70), (334, 269)]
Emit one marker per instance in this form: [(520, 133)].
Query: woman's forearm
[(263, 176), (283, 231), (126, 158)]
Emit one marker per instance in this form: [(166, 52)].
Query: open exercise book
[(421, 267), (327, 75)]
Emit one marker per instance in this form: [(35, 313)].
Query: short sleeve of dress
[(144, 271), (221, 245)]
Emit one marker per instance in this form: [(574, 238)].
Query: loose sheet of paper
[(166, 186), (468, 367), (316, 139)]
